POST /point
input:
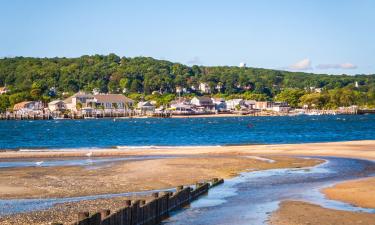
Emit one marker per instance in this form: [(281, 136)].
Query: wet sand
[(197, 163), (350, 149), (356, 192), (66, 213), (130, 176), (302, 213)]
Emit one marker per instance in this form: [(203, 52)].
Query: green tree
[(291, 96)]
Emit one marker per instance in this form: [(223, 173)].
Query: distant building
[(145, 107), (3, 90), (203, 103), (280, 107), (112, 101), (263, 105), (233, 104), (181, 107), (204, 88), (104, 101), (57, 105), (242, 65), (219, 103), (249, 104), (27, 107), (80, 98)]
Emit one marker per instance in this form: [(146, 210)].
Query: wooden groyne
[(140, 212)]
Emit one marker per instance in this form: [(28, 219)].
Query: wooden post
[(104, 213), (82, 216)]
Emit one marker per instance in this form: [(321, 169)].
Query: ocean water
[(127, 133)]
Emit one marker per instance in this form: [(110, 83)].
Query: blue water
[(184, 132)]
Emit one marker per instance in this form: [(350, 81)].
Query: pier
[(140, 212)]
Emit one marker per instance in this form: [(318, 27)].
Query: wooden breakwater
[(140, 212)]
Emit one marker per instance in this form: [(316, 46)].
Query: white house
[(56, 105), (280, 107), (78, 98), (204, 88), (203, 103), (232, 104), (110, 102)]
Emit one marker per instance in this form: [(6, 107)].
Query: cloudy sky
[(319, 36)]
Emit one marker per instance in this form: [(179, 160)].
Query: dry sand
[(356, 192), (302, 213)]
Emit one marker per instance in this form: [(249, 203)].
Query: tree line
[(147, 78)]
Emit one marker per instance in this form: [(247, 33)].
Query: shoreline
[(363, 149), (158, 173)]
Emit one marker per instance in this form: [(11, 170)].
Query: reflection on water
[(251, 197)]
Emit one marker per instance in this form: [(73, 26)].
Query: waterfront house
[(282, 107), (28, 107), (56, 106), (3, 90), (203, 103), (78, 101), (234, 104), (106, 102), (220, 104), (263, 105), (112, 102), (181, 107), (249, 104), (145, 107)]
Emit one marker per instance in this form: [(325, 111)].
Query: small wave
[(164, 147), (111, 148), (59, 149)]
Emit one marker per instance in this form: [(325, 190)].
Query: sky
[(317, 36)]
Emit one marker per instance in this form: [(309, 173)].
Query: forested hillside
[(50, 78)]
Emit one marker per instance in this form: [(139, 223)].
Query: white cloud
[(336, 66), (304, 64), (195, 61)]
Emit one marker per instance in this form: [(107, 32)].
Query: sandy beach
[(185, 165), (302, 213), (350, 149)]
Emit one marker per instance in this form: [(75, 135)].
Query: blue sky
[(319, 36)]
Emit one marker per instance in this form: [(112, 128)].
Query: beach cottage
[(78, 101), (56, 106), (28, 107), (220, 104), (145, 107), (234, 104), (203, 103), (282, 107), (112, 102)]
